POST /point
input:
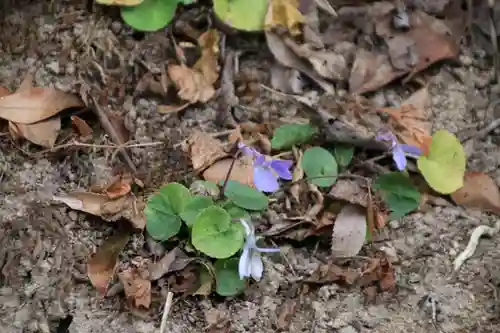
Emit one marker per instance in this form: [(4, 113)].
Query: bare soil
[(43, 247)]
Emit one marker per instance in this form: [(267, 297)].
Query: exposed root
[(473, 242)]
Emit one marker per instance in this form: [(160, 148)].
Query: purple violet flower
[(250, 264), (399, 150), (267, 171)]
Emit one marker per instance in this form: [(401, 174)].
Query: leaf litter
[(32, 112)]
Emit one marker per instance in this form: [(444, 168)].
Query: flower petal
[(398, 155), (411, 150), (282, 168), (260, 160), (257, 266), (244, 265), (264, 179), (267, 249), (387, 136), (247, 226)]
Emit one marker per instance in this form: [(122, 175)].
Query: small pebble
[(348, 329), (465, 60), (54, 67)]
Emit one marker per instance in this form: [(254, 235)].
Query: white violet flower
[(250, 264)]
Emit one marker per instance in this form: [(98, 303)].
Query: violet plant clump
[(267, 171), (399, 150), (250, 263)]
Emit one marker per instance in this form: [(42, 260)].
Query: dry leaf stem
[(166, 311)]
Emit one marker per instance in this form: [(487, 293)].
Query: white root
[(473, 242)]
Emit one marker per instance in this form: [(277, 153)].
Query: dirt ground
[(43, 247)]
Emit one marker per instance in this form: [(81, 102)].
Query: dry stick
[(473, 242), (108, 127), (166, 311)]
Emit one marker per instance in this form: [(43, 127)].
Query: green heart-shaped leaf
[(177, 195), (242, 14), (194, 207), (289, 135), (320, 166), (343, 155), (161, 221), (227, 278), (150, 15), (398, 192), (444, 167), (245, 196), (236, 212), (214, 233)]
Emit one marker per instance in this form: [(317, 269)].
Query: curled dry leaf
[(193, 85), (208, 64), (287, 57), (108, 209), (44, 133), (102, 264), (284, 13), (242, 172), (28, 106), (204, 150), (349, 231), (428, 41), (354, 191), (479, 192), (137, 288), (410, 121), (331, 273), (81, 126), (174, 260), (297, 175)]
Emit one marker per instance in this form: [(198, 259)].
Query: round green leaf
[(235, 212), (320, 166), (161, 221), (245, 196), (227, 278), (343, 155), (444, 167), (177, 195), (214, 233), (194, 207), (242, 14), (289, 135), (398, 192), (150, 15)]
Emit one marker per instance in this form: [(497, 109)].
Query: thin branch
[(166, 311)]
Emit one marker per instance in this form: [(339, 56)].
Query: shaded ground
[(43, 248)]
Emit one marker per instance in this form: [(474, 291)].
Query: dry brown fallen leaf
[(354, 191), (479, 192), (331, 273), (286, 314), (102, 264), (192, 84), (378, 273), (204, 150), (287, 57), (349, 231), (137, 288), (174, 260), (410, 121), (208, 63), (81, 126), (29, 108), (242, 171), (284, 13), (33, 104), (44, 133), (428, 41), (108, 209)]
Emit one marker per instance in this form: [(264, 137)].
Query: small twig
[(166, 311), (226, 179), (473, 242), (90, 145)]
